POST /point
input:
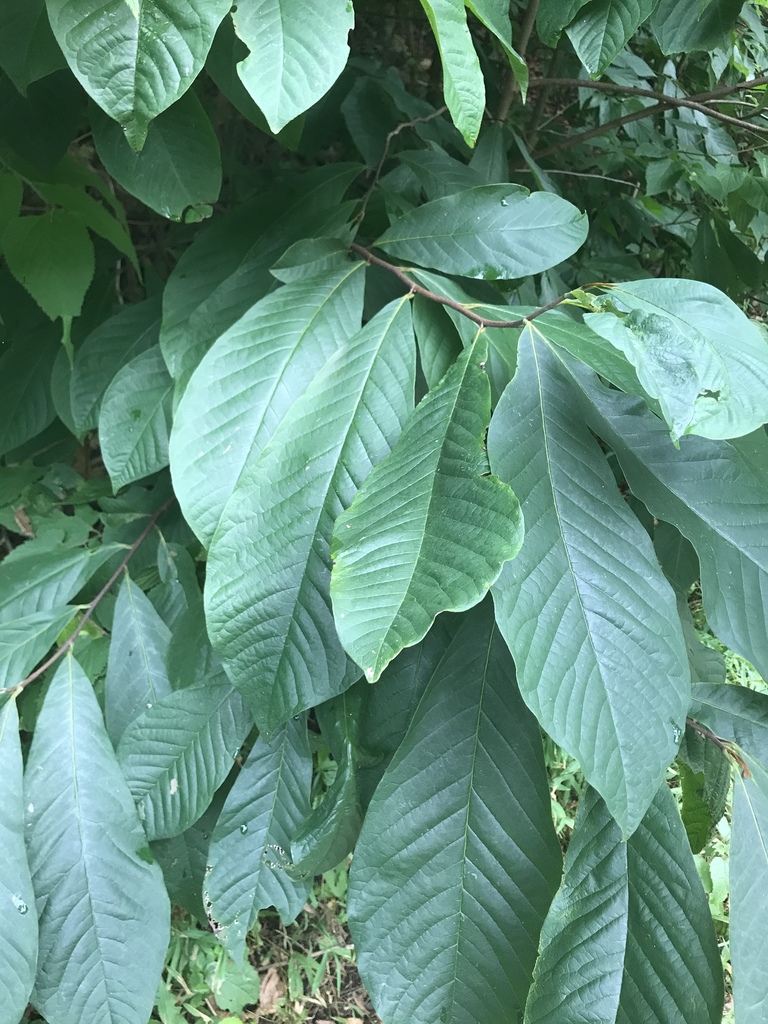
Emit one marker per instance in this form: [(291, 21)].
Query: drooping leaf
[(256, 370), (40, 580), (602, 28), (488, 232), (677, 32), (178, 171), (494, 14), (693, 350), (28, 50), (134, 424), (104, 352), (24, 640), (18, 922), (267, 602), (457, 861), (177, 753), (721, 515), (104, 912), (463, 83), (136, 672), (585, 606), (430, 522), (249, 848), (293, 59), (736, 714), (439, 344), (226, 269), (748, 900), (552, 16), (137, 58), (52, 255)]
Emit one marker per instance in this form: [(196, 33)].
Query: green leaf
[(51, 254), (226, 269), (136, 672), (705, 779), (35, 581), (26, 639), (677, 31), (457, 861), (602, 28), (585, 606), (552, 17), (234, 986), (748, 902), (489, 232), (177, 753), (294, 59), (178, 172), (267, 603), (104, 911), (18, 923), (28, 50), (439, 173), (105, 351), (439, 343), (463, 83), (11, 195), (494, 14), (721, 515), (695, 351), (429, 521), (247, 855), (135, 58), (256, 370), (588, 916), (183, 860), (26, 406), (736, 714), (135, 421)]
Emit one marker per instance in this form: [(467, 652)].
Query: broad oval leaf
[(248, 381), (748, 899), (136, 670), (41, 580), (248, 856), (134, 425), (736, 714), (458, 861), (489, 232), (104, 912), (25, 640), (178, 752), (294, 59), (267, 602), (18, 921), (676, 31), (602, 28), (429, 525), (585, 606), (135, 58), (693, 350)]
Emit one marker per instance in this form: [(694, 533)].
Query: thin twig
[(91, 608), (387, 143), (584, 174), (510, 87), (459, 307)]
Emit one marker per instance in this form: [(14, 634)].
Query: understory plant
[(375, 383)]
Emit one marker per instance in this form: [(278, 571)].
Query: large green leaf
[(136, 672), (104, 912), (494, 14), (178, 752), (248, 853), (28, 50), (178, 172), (602, 28), (105, 351), (748, 900), (26, 406), (267, 601), (457, 861), (677, 32), (585, 607), (736, 714), (431, 525), (134, 424), (26, 639), (135, 58), (248, 381), (463, 83), (489, 232), (693, 350), (721, 513), (226, 269), (552, 16), (18, 922), (294, 59), (705, 781), (40, 580)]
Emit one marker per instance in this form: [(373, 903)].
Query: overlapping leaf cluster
[(369, 463)]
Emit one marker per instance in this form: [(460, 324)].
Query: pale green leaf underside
[(457, 861), (135, 59), (295, 54), (585, 607), (104, 912), (429, 530), (267, 601)]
